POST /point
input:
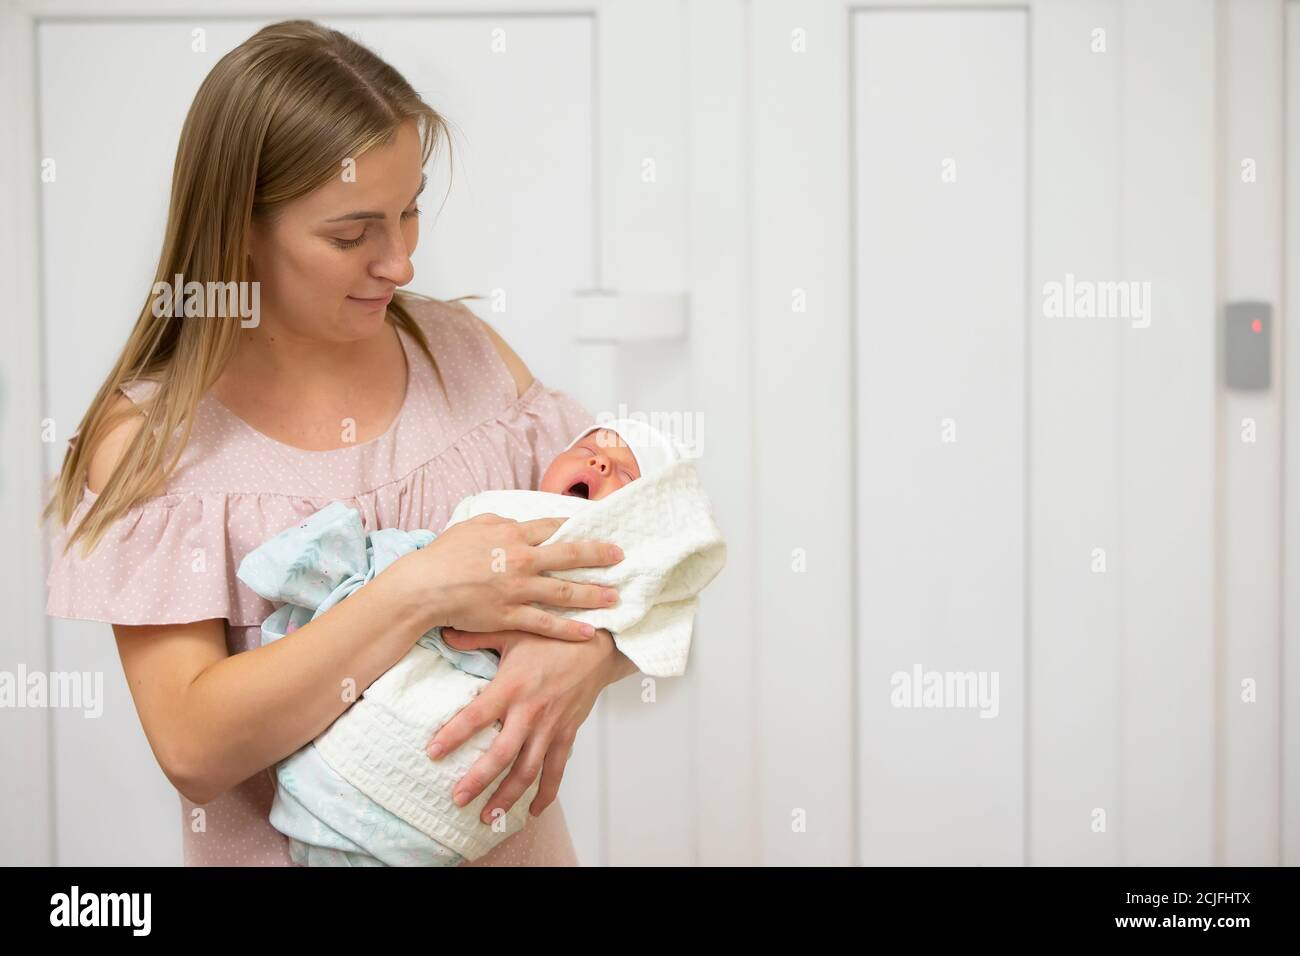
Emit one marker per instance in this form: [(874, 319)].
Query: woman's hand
[(482, 574), (542, 693)]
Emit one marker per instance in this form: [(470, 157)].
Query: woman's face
[(598, 464), (330, 263)]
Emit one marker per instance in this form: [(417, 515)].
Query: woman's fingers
[(538, 530), (577, 554), (552, 773), (476, 640), (480, 712), (490, 765), (558, 592), (520, 778), (544, 624)]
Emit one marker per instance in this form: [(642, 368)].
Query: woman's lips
[(378, 303)]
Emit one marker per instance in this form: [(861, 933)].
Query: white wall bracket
[(604, 320), (604, 315)]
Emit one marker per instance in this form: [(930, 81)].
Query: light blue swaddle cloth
[(672, 549), (312, 567)]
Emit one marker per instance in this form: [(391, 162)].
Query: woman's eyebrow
[(369, 214)]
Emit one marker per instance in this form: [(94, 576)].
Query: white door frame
[(1289, 348), (26, 796), (1251, 61)]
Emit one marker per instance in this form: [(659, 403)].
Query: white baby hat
[(653, 450)]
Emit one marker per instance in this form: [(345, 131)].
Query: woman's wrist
[(412, 598), (618, 665)]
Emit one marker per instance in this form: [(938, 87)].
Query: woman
[(298, 169)]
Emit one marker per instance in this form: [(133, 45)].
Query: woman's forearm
[(253, 709), (620, 664)]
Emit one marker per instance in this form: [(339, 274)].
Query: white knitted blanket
[(671, 550), (671, 547)]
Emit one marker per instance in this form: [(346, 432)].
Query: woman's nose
[(395, 262)]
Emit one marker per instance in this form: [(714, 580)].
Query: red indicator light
[(1256, 325)]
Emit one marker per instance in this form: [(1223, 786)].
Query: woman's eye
[(348, 243), (353, 243)]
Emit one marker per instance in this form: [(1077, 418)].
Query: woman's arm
[(620, 664), (215, 720)]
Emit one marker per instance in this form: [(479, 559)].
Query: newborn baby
[(594, 465), (597, 462), (365, 793)]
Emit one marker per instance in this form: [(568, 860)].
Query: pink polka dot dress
[(172, 559)]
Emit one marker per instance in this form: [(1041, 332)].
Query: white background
[(843, 301)]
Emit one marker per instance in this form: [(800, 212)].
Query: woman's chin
[(360, 323)]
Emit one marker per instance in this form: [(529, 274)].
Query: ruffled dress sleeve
[(163, 562)]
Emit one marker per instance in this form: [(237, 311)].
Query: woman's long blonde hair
[(274, 120)]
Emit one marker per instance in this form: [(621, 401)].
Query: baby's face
[(598, 464)]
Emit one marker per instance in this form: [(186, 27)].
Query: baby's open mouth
[(579, 490)]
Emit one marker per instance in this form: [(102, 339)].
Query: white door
[(1022, 472), (939, 322)]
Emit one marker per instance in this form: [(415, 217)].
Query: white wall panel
[(1289, 346), (939, 160), (1167, 464), (1250, 51), (1074, 685)]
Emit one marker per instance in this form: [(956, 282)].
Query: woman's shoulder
[(106, 452), (514, 364), (466, 340), (491, 398)]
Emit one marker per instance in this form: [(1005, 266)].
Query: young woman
[(298, 168)]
